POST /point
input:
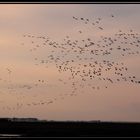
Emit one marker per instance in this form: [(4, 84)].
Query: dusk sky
[(30, 88)]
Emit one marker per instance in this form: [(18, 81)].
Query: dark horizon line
[(45, 120)]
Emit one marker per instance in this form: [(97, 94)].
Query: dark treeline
[(38, 128)]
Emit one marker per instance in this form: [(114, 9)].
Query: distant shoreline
[(15, 119), (32, 127)]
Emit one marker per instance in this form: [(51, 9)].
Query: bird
[(112, 15)]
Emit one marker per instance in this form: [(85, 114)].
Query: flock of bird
[(89, 63)]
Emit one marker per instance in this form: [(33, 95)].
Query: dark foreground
[(68, 129)]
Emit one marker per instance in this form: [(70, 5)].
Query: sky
[(21, 87)]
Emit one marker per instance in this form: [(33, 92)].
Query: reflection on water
[(10, 135)]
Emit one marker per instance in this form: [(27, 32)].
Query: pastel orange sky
[(119, 102)]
